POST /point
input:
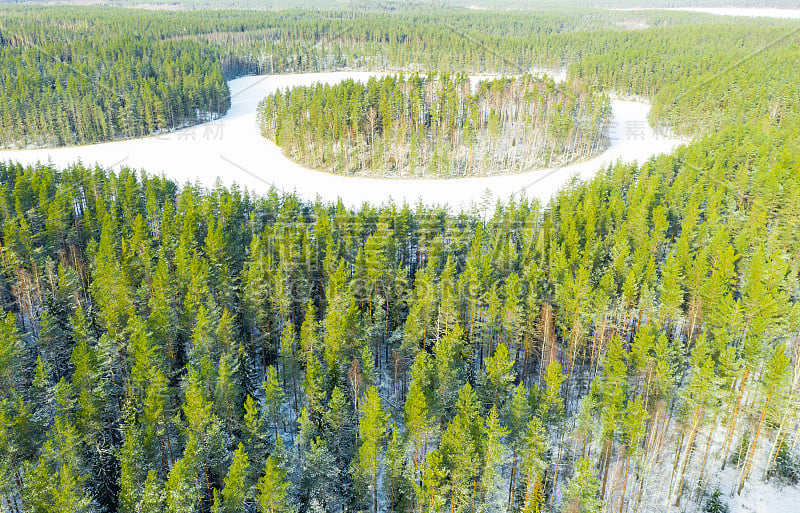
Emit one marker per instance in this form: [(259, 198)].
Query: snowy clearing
[(758, 496), (750, 12), (232, 150)]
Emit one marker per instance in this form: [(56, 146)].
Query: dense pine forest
[(88, 74), (74, 80), (174, 349), (633, 345), (394, 5), (437, 125)]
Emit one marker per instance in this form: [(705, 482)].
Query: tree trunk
[(678, 446), (700, 480), (511, 481), (375, 492), (624, 482), (606, 459), (734, 415), (748, 462), (688, 454)]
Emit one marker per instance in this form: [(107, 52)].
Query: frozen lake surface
[(232, 150), (750, 12)]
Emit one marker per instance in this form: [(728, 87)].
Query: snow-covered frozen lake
[(751, 12), (232, 149)]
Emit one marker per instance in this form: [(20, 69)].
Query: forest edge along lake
[(232, 150)]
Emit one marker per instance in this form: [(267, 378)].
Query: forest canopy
[(168, 69), (437, 126), (170, 348), (631, 345), (67, 81), (395, 5)]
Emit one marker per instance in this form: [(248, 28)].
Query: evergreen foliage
[(170, 348), (448, 393), (74, 75), (436, 126)]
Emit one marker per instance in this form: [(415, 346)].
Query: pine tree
[(320, 481), (273, 398), (272, 496), (395, 482), (581, 493), (227, 393), (420, 426), (152, 499), (553, 379), (372, 432), (68, 495), (517, 420), (449, 350), (459, 447), (253, 430), (10, 355), (499, 376), (181, 491), (431, 492), (338, 417), (289, 361), (535, 445), (236, 492), (494, 455)]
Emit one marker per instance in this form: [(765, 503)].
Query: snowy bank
[(750, 12), (232, 149)]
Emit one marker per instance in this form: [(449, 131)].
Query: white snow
[(746, 11), (758, 496), (750, 12), (232, 149)]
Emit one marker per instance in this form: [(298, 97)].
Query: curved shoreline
[(232, 150), (746, 12)]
